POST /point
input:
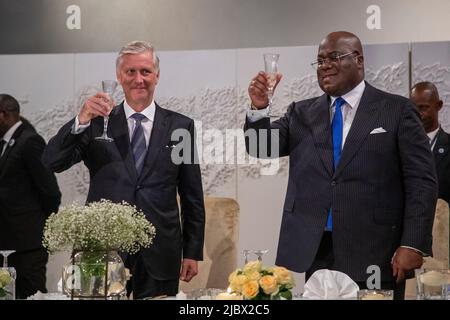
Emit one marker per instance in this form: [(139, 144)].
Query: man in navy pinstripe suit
[(377, 206)]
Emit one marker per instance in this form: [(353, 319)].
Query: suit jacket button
[(138, 187), (333, 183)]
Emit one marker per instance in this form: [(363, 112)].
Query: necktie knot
[(339, 103), (138, 117)]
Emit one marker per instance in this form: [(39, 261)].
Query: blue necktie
[(138, 142), (337, 126)]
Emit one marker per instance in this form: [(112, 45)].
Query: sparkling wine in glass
[(8, 275), (271, 69), (108, 86)]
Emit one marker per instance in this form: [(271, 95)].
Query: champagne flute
[(246, 252), (260, 253), (108, 86), (271, 69)]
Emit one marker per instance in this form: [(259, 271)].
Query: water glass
[(432, 284)]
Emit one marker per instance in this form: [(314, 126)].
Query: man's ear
[(360, 60), (440, 104)]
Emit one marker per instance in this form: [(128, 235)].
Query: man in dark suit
[(426, 97), (140, 167), (362, 185), (28, 194)]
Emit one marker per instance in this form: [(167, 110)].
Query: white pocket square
[(378, 130)]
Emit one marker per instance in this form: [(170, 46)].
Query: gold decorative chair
[(220, 249), (440, 259)]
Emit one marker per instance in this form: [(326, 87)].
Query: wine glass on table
[(260, 253)]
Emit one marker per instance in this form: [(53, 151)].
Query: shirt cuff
[(254, 115), (416, 250), (78, 128)]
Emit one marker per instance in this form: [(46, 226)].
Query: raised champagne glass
[(271, 69), (108, 87)]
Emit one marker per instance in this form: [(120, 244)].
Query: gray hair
[(137, 47)]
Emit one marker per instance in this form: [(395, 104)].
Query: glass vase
[(86, 277), (7, 283)]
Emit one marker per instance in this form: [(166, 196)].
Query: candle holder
[(373, 294)]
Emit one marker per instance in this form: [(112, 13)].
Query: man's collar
[(8, 135), (148, 112), (352, 97)]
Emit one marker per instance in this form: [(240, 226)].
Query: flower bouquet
[(256, 282), (94, 233)]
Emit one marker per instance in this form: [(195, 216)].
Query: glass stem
[(105, 125)]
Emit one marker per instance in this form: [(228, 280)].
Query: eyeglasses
[(332, 59)]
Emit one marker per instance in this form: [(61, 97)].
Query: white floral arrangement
[(256, 282), (98, 226)]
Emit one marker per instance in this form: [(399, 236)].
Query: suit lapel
[(118, 126), (319, 116), (365, 117), (442, 147), (160, 129), (10, 147)]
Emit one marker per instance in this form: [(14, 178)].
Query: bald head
[(426, 98), (9, 112), (349, 39), (426, 86), (343, 63)]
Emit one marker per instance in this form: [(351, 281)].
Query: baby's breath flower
[(102, 225)]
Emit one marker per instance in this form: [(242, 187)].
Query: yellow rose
[(250, 289), (237, 282), (269, 284), (232, 276), (253, 275), (253, 266), (284, 276), (5, 278)]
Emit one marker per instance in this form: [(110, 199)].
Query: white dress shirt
[(8, 135), (147, 123), (352, 100), (433, 137)]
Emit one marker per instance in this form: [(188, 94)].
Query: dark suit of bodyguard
[(119, 170), (29, 193), (382, 193)]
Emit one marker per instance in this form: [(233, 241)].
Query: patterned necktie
[(337, 126), (138, 142), (2, 144)]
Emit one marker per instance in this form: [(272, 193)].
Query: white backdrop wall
[(211, 87)]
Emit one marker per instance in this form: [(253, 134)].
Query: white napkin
[(59, 285), (181, 296), (48, 296), (330, 284)]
